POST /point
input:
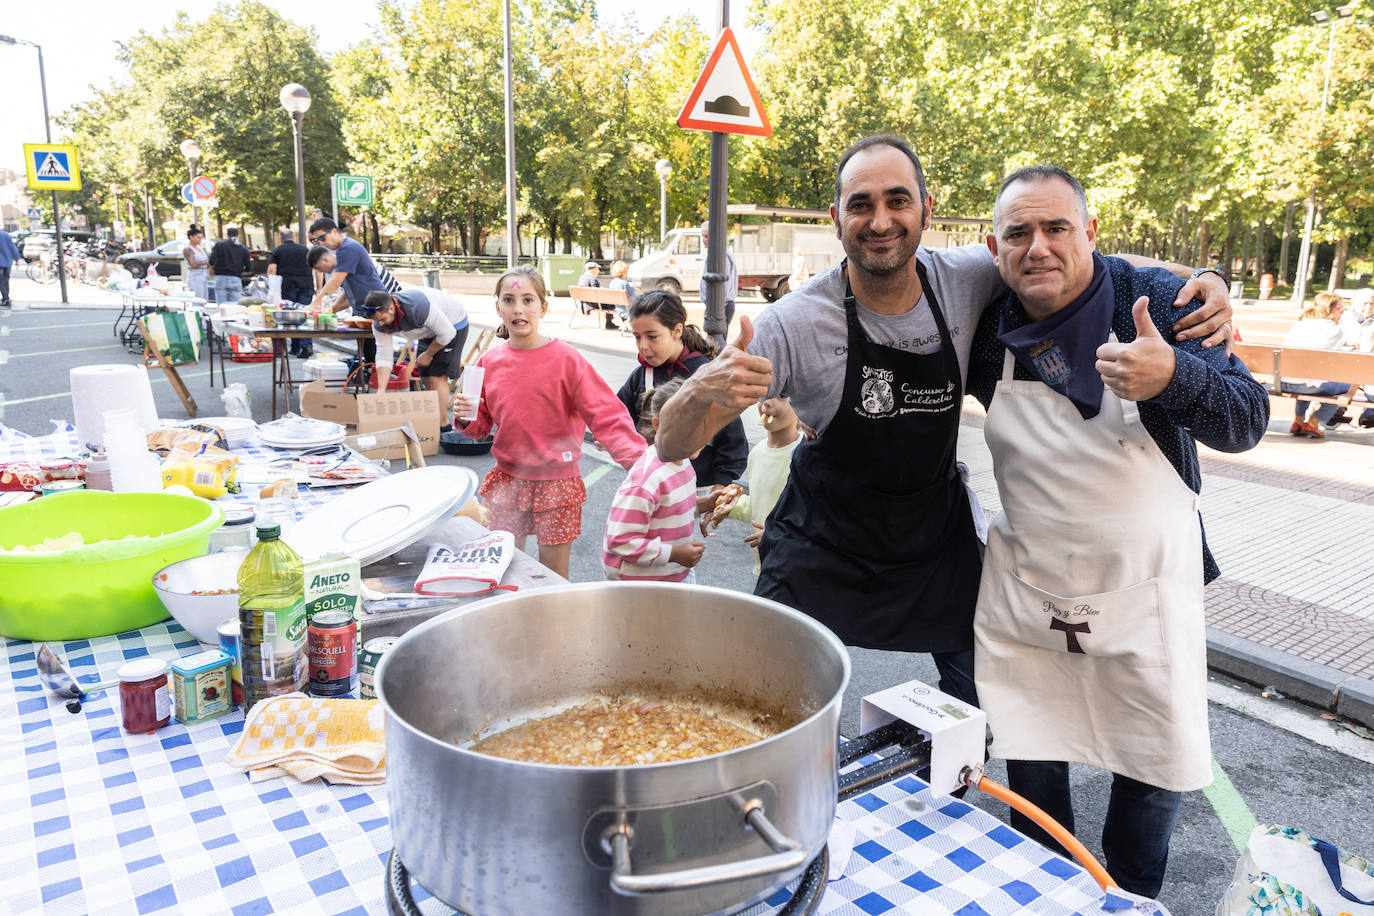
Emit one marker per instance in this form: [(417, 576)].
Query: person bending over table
[(353, 268), (433, 317), (325, 261), (1090, 642), (873, 535)]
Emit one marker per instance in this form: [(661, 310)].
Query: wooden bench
[(1279, 364), (590, 299)]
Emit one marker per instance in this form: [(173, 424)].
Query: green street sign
[(353, 190)]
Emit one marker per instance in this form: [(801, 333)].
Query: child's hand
[(463, 407), (687, 555), (706, 500), (753, 537)]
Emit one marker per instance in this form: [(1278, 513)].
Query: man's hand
[(687, 555), (1211, 320), (424, 359), (735, 379), (753, 537), (1143, 368)]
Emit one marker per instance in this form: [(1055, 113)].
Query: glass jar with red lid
[(144, 699)]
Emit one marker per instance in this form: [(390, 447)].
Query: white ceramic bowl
[(201, 615)]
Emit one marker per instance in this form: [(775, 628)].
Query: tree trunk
[(1204, 243), (1338, 264), (1262, 249), (376, 232), (1283, 275), (1244, 255), (474, 243), (434, 226), (219, 224)]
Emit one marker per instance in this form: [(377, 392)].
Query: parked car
[(167, 257)]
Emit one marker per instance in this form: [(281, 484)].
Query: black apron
[(873, 535)]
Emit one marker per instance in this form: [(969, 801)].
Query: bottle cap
[(266, 531)]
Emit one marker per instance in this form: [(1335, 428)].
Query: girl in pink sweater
[(649, 533), (540, 394)]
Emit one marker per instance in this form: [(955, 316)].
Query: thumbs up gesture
[(1143, 368), (735, 379)]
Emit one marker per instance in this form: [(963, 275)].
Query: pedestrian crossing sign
[(52, 167)]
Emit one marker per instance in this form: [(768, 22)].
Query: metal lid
[(141, 669), (330, 619), (239, 515), (201, 661)]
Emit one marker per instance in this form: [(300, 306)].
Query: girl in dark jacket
[(670, 348)]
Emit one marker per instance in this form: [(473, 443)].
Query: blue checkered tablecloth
[(95, 820)]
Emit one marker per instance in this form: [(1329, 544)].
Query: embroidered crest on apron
[(1090, 638)]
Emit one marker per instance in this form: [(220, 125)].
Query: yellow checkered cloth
[(341, 740)]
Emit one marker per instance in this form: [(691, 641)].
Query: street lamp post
[(47, 128), (295, 98), (664, 169), (1321, 17), (191, 150)]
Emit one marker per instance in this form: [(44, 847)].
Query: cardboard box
[(400, 444), (374, 411)]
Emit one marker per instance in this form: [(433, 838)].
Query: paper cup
[(472, 388)]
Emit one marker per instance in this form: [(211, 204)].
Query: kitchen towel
[(341, 740)]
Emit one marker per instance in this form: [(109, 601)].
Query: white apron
[(1090, 643)]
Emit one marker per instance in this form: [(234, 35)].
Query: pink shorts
[(551, 510)]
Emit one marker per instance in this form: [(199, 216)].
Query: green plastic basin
[(99, 588)]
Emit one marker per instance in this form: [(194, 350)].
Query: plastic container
[(144, 701), (272, 626), (99, 588), (237, 531)]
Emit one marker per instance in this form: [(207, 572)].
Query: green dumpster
[(560, 271)]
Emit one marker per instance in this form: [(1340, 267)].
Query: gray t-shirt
[(804, 333)]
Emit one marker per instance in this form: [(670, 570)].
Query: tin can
[(371, 657), (201, 686), (332, 645), (60, 486), (229, 642)]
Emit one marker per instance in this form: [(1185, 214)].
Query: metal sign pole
[(334, 198), (512, 239), (56, 211), (718, 196)]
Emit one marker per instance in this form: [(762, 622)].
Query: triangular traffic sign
[(724, 98)]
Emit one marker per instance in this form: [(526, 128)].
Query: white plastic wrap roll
[(97, 389)]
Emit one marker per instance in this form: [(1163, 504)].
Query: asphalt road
[(1279, 761)]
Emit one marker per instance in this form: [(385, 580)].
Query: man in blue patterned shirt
[(1089, 634)]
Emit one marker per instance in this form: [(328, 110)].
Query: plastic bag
[(237, 401), (1285, 872), (206, 470)]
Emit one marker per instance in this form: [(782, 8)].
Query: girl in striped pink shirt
[(649, 533)]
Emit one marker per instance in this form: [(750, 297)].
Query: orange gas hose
[(1080, 852)]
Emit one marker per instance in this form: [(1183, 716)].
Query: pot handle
[(788, 854)]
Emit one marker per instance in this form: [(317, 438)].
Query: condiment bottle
[(98, 472), (271, 619), (145, 703)]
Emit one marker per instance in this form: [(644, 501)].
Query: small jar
[(145, 703), (237, 531)]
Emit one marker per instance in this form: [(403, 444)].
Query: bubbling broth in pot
[(629, 730)]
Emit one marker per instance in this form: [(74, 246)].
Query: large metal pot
[(715, 834)]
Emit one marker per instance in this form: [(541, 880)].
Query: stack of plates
[(300, 432), (238, 431)]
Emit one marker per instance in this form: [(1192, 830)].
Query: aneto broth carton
[(333, 583)]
